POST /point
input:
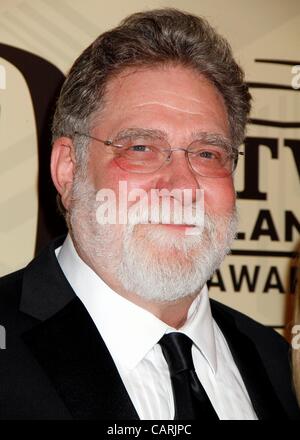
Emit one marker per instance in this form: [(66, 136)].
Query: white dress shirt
[(131, 335)]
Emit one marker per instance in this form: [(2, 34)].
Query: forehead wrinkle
[(187, 98), (172, 107)]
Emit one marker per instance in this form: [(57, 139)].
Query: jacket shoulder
[(265, 338), (273, 351)]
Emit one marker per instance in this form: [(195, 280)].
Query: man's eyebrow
[(216, 139), (136, 132)]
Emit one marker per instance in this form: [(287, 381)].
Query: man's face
[(173, 100), (179, 103)]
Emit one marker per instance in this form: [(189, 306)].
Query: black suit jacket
[(57, 366)]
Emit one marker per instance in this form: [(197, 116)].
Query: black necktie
[(190, 399)]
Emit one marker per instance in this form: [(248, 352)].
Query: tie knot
[(177, 350)]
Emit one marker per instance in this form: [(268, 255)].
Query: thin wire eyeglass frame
[(110, 143)]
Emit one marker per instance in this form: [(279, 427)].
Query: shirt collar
[(129, 331)]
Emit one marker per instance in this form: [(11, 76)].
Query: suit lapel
[(68, 346), (260, 390)]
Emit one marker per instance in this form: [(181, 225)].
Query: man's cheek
[(219, 199), (105, 175)]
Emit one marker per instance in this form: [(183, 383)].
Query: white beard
[(148, 260)]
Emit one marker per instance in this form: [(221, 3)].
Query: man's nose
[(177, 173)]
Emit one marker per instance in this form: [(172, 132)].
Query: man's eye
[(140, 148), (205, 154)]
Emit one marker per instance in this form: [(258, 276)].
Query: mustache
[(162, 206), (192, 218), (168, 211), (164, 213)]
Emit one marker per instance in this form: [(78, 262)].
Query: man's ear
[(63, 168)]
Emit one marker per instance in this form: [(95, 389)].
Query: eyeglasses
[(146, 154)]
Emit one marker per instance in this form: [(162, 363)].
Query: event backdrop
[(39, 39)]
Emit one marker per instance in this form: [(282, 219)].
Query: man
[(114, 321)]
